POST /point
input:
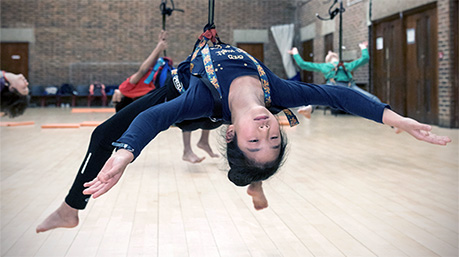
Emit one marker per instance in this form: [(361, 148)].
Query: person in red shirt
[(135, 86)]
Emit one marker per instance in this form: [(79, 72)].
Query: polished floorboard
[(349, 187)]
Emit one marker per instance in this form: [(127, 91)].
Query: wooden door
[(254, 49), (308, 55), (328, 44), (422, 66), (388, 64), (15, 58)]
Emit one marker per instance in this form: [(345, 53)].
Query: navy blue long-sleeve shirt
[(229, 63)]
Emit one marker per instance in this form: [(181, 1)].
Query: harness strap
[(292, 120), (336, 69), (217, 111), (211, 81), (177, 83)]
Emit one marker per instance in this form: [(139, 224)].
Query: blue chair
[(38, 91), (50, 92), (110, 89), (83, 91), (66, 91)]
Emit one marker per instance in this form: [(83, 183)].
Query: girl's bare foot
[(255, 190), (190, 156), (206, 147), (64, 217), (306, 111), (203, 143)]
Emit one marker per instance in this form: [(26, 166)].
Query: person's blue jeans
[(356, 88)]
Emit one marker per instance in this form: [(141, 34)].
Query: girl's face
[(258, 135), (19, 82)]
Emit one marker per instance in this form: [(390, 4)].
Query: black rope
[(339, 10), (167, 11), (210, 20)]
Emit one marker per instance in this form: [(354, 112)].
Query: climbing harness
[(336, 69), (211, 81)]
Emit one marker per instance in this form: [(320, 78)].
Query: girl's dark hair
[(244, 171), (13, 103)]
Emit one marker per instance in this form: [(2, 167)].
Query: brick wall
[(447, 84), (78, 41)]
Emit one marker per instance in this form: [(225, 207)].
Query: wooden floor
[(350, 187)]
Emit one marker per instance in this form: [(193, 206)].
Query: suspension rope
[(166, 11)]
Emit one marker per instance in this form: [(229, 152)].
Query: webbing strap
[(210, 34), (203, 47), (336, 69), (292, 120)]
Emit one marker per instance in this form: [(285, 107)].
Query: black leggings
[(100, 148), (125, 101)]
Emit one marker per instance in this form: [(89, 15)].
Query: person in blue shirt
[(250, 95), (254, 130)]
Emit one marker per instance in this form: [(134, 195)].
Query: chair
[(66, 91), (83, 91), (110, 89), (51, 93), (37, 91)]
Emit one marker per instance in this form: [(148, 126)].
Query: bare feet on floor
[(306, 111), (64, 217), (255, 190), (206, 147), (190, 156)]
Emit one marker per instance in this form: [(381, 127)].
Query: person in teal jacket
[(333, 73)]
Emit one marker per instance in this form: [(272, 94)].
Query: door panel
[(15, 58), (421, 60), (308, 55), (388, 62), (405, 65), (328, 44), (255, 49)]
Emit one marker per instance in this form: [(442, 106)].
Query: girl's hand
[(416, 129), (293, 51), (110, 174), (363, 45)]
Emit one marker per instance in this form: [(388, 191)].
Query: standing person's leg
[(204, 143), (188, 154), (187, 126), (99, 150)]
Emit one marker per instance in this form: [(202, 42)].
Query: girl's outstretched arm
[(416, 129), (110, 174)]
